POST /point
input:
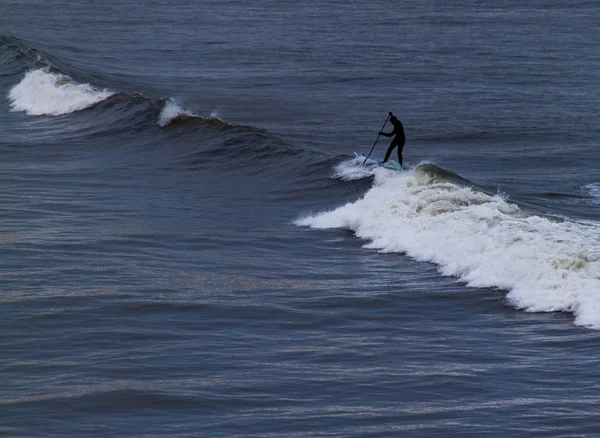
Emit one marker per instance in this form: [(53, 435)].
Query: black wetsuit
[(398, 140)]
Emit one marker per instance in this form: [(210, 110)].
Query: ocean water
[(189, 247)]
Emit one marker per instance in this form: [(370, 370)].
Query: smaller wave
[(14, 49), (492, 134), (468, 136), (560, 195), (172, 112), (431, 173), (42, 92), (593, 190)]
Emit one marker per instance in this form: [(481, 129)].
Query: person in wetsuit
[(398, 140)]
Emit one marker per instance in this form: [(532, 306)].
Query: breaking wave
[(484, 240), (42, 92)]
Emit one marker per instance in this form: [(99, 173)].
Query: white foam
[(485, 241), (352, 170), (170, 112), (42, 92)]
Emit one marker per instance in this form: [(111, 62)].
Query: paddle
[(378, 134)]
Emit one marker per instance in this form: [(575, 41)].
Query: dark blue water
[(189, 247)]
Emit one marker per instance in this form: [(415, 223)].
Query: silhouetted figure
[(398, 140)]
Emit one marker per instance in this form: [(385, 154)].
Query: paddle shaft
[(377, 139)]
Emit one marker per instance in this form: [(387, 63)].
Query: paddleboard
[(390, 164)]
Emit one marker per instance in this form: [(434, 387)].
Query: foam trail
[(42, 92), (485, 241), (353, 170)]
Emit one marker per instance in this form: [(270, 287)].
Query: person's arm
[(389, 134)]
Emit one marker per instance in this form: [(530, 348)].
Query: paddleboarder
[(398, 140)]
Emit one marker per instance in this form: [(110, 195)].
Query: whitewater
[(43, 92), (545, 263)]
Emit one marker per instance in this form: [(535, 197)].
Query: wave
[(48, 89), (15, 49), (43, 92), (593, 190), (172, 113), (559, 195), (462, 137), (68, 106), (485, 241), (46, 92), (491, 134)]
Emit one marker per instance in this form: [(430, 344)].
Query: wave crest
[(42, 92)]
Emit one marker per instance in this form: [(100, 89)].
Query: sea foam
[(485, 241), (172, 111), (42, 92)]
